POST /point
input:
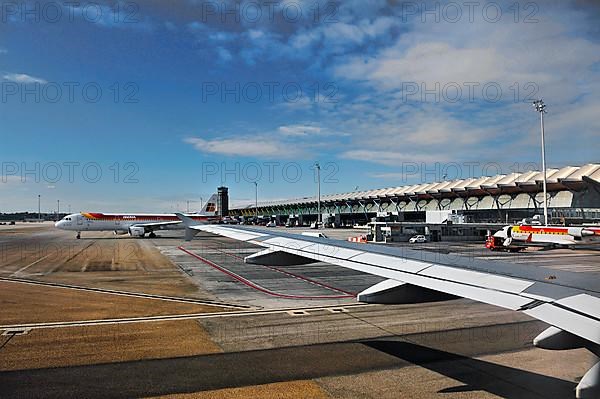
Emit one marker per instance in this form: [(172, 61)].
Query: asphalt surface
[(297, 323)]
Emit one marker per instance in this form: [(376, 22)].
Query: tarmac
[(113, 316)]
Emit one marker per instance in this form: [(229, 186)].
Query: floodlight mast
[(256, 202), (541, 108), (318, 167)]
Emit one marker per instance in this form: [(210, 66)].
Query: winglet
[(189, 223)]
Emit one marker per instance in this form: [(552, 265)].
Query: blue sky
[(196, 94)]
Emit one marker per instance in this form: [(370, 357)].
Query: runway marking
[(298, 313), (178, 317), (257, 287), (290, 274), (17, 331), (29, 265), (128, 294)]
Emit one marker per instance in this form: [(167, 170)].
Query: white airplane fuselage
[(549, 235), (134, 224)]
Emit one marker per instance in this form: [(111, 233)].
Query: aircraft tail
[(210, 207)]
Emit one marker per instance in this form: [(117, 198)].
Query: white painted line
[(28, 266), (338, 310), (149, 319), (298, 313), (124, 293), (16, 331)]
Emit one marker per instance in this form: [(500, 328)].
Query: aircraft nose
[(58, 224)]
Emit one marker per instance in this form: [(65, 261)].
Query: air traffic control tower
[(223, 201)]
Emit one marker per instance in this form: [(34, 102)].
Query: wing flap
[(331, 250), (565, 319), (391, 262), (582, 303), (280, 242), (479, 279), (486, 295)]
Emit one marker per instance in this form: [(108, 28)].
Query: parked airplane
[(569, 302), (524, 235), (136, 225)]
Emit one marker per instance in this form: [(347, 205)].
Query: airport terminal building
[(573, 197)]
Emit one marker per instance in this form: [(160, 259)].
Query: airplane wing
[(569, 302), (157, 225)]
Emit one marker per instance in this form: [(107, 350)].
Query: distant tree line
[(29, 216)]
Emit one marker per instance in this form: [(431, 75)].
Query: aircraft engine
[(137, 231), (580, 232)]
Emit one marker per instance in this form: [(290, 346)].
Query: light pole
[(256, 201), (188, 206), (57, 209), (39, 208), (541, 108), (201, 204), (318, 167)]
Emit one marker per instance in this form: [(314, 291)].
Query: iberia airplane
[(525, 235), (137, 225)]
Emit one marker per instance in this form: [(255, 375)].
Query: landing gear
[(151, 235), (78, 235)]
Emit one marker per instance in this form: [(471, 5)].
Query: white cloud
[(339, 37), (544, 53), (393, 157), (196, 26), (3, 51), (299, 130), (222, 36), (242, 146), (288, 141), (554, 54), (23, 78), (302, 130), (224, 54), (391, 176), (8, 181), (255, 34)]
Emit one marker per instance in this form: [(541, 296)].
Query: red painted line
[(256, 286), (308, 280)]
